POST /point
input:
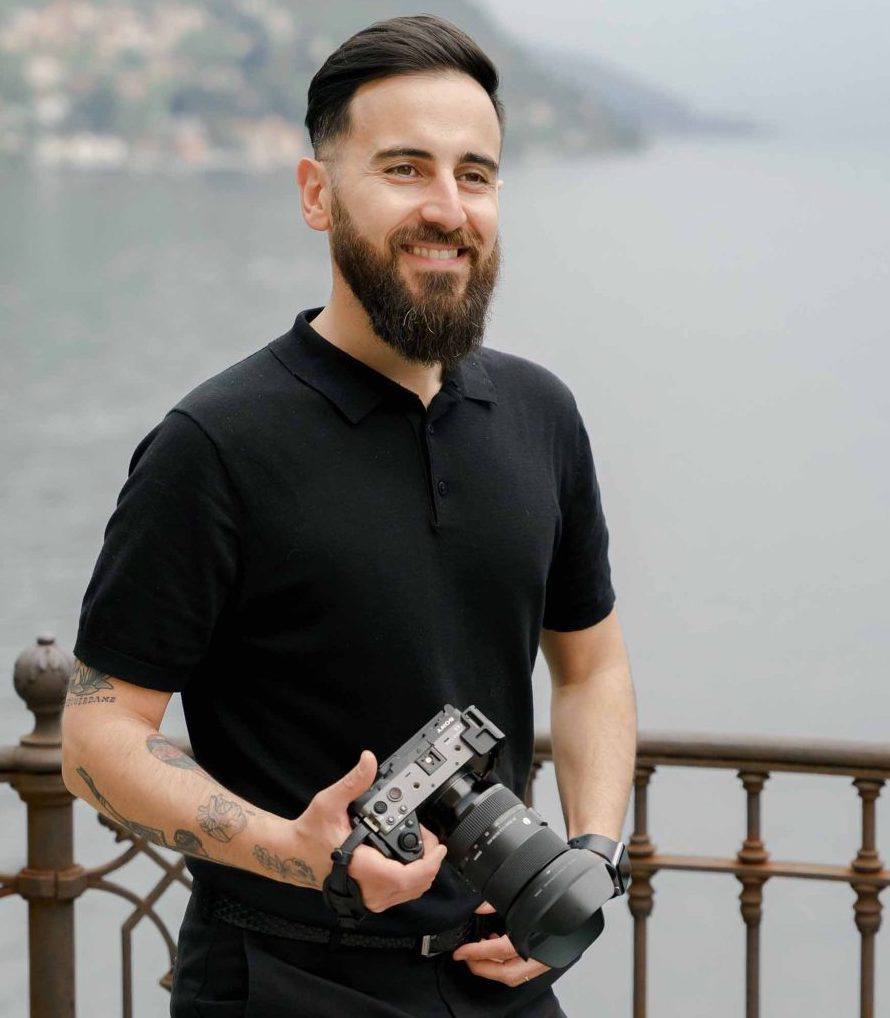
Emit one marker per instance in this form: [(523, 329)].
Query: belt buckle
[(426, 945), (432, 944)]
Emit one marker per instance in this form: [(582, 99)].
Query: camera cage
[(454, 742)]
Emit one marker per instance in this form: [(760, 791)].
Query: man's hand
[(496, 958), (325, 825)]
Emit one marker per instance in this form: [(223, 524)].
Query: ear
[(314, 183)]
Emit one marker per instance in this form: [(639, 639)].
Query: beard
[(441, 323)]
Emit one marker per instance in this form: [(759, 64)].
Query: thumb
[(356, 781)]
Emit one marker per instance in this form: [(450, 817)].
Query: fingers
[(434, 851), (429, 839), (486, 909), (496, 959), (496, 949), (510, 973), (387, 882), (352, 784)]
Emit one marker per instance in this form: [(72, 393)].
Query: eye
[(476, 178), (403, 170)]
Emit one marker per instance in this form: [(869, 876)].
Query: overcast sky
[(816, 68)]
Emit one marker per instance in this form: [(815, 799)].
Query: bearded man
[(368, 518)]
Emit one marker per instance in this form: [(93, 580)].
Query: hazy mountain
[(645, 108)]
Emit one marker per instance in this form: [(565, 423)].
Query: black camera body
[(549, 895), (452, 743)]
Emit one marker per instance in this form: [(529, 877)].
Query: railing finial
[(41, 679)]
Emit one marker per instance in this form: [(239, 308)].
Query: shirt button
[(443, 487), (430, 430)]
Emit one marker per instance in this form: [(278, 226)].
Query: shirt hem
[(590, 616)]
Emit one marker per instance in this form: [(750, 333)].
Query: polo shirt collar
[(353, 387), (470, 379)]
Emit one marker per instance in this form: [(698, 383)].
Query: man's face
[(415, 211)]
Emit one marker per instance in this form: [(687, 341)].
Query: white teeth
[(426, 252)]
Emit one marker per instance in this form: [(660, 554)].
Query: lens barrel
[(549, 895)]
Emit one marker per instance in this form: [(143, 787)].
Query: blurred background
[(696, 223)]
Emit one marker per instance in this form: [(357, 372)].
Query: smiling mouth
[(435, 254)]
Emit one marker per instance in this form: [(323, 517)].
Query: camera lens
[(549, 895)]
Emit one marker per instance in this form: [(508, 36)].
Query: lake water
[(721, 311)]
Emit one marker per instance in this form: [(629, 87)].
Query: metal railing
[(868, 765), (51, 881)]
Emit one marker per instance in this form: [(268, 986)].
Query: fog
[(812, 68)]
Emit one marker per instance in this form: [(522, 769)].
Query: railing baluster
[(50, 881), (752, 852), (640, 894), (868, 904)]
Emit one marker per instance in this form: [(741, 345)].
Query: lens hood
[(559, 914)]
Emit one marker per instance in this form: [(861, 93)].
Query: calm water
[(721, 312)]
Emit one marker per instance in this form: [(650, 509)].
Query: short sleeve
[(579, 584), (169, 562)]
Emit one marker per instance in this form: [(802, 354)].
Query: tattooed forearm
[(86, 685), (171, 755), (190, 844), (152, 834), (296, 871), (183, 840), (221, 818)]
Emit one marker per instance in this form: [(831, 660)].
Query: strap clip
[(341, 893)]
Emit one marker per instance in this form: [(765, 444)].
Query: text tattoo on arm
[(87, 685)]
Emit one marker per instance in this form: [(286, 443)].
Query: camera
[(549, 895)]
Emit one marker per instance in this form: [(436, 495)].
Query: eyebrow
[(400, 152)]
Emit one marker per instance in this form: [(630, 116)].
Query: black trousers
[(223, 971)]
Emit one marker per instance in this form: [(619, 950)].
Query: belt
[(214, 905)]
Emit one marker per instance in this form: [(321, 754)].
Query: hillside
[(222, 84), (647, 109)]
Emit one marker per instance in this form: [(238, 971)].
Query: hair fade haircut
[(407, 45)]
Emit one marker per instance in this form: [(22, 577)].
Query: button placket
[(440, 486)]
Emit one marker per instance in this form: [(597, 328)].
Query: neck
[(344, 323)]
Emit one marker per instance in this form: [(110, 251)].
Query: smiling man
[(370, 517)]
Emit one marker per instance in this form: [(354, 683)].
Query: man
[(368, 518)]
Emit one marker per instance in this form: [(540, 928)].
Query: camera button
[(380, 807), (394, 794)]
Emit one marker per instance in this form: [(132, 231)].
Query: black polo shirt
[(318, 563)]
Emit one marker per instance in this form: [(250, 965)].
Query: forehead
[(445, 112)]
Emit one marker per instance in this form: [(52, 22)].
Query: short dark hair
[(407, 45)]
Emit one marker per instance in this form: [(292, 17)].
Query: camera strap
[(340, 891)]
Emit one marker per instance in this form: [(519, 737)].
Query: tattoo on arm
[(295, 871), (183, 840), (221, 818), (167, 753), (190, 844), (86, 686), (152, 834)]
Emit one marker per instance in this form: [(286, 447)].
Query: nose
[(443, 205)]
